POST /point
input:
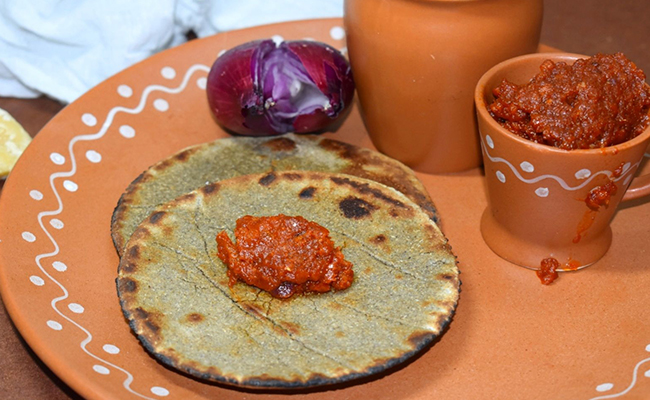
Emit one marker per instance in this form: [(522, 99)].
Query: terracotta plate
[(585, 336)]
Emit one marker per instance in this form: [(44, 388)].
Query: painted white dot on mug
[(29, 237), (489, 141), (36, 195), (202, 82), (501, 177), (57, 158), (161, 105), (37, 280), (70, 186), (647, 374), (168, 72), (527, 167), (100, 369), (89, 119), (76, 308), (542, 192), (583, 174), (124, 91), (56, 223), (127, 131), (111, 349), (647, 348), (54, 325), (59, 266), (277, 39), (604, 387), (160, 391), (626, 167), (93, 156), (337, 33)]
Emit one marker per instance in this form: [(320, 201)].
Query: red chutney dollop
[(284, 255), (596, 102), (547, 271)]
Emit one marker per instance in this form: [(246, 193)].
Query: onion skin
[(260, 89)]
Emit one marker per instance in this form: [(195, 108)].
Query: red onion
[(260, 89)]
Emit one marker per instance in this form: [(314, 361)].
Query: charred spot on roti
[(307, 193), (210, 188), (399, 277), (254, 310), (133, 253), (356, 208), (281, 144), (267, 179), (127, 285), (290, 327), (164, 164), (343, 150), (194, 317), (128, 267), (365, 189), (379, 239), (156, 217), (419, 339), (187, 198), (292, 176), (185, 154)]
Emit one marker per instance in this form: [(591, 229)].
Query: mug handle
[(640, 186)]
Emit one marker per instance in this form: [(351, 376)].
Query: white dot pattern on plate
[(159, 391), (604, 387), (583, 174), (124, 91), (647, 374), (647, 348), (527, 167), (29, 237), (37, 280), (89, 119), (100, 369), (277, 39), (54, 325), (168, 73), (93, 156), (337, 33), (111, 349), (542, 192), (489, 141), (70, 186), (161, 105), (127, 131), (59, 266), (36, 195), (57, 158), (202, 82), (309, 39), (76, 308), (219, 54), (501, 177), (56, 223)]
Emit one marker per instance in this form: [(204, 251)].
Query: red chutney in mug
[(596, 102)]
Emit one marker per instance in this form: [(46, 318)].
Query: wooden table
[(580, 26)]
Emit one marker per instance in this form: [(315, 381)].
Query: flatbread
[(174, 289), (230, 157)]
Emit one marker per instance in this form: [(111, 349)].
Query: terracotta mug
[(536, 193), (416, 63)]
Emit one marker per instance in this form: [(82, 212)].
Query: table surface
[(579, 26)]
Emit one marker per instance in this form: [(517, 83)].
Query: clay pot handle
[(640, 187)]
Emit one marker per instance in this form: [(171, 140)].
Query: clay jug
[(416, 64)]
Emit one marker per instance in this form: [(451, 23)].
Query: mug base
[(529, 254)]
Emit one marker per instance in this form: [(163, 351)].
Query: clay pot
[(416, 63), (536, 193)]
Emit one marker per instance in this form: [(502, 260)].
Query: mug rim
[(481, 107)]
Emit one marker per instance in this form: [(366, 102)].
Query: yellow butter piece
[(13, 141)]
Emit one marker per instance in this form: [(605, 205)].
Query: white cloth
[(62, 48)]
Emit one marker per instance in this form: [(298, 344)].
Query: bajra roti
[(227, 158), (174, 289)]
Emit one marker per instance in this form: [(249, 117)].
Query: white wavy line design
[(634, 378), (556, 178), (89, 137)]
